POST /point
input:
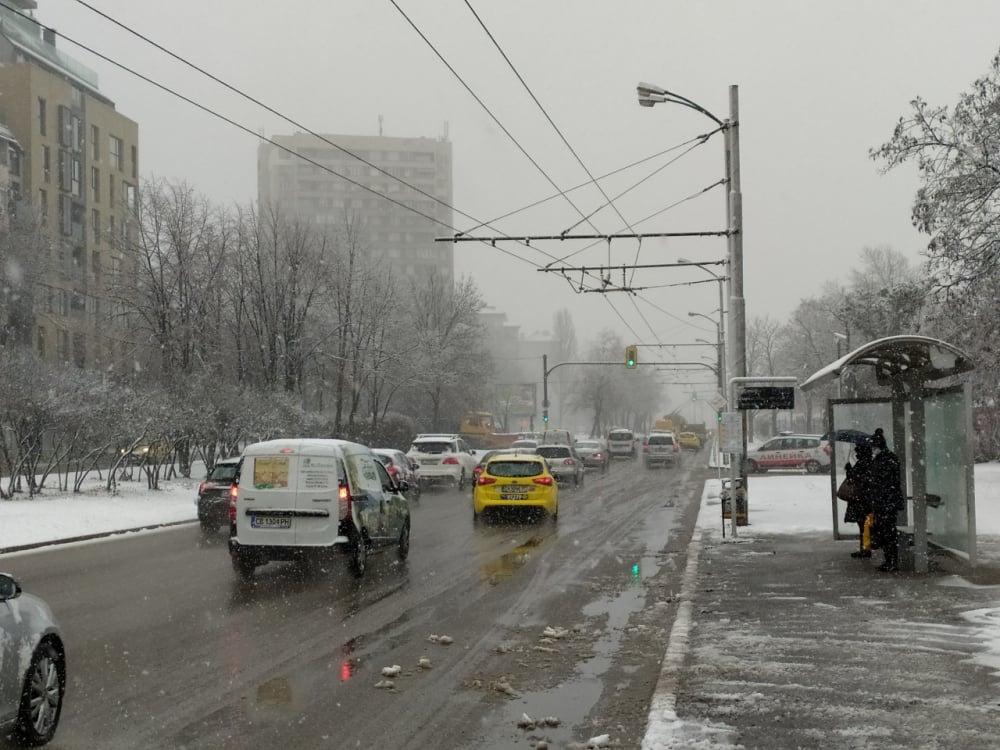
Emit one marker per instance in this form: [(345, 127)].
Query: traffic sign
[(718, 401)]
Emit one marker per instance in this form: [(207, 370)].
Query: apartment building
[(80, 172), (328, 187)]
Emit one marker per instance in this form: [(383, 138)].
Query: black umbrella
[(847, 436)]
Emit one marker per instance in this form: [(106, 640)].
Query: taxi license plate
[(513, 496), (270, 522)]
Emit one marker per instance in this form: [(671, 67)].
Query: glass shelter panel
[(864, 416), (947, 477)]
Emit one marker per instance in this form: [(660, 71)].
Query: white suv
[(621, 443), (443, 459), (809, 452)]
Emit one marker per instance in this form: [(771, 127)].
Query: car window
[(432, 447), (587, 445), (383, 475), (661, 440), (620, 436), (553, 451), (223, 473), (501, 468)]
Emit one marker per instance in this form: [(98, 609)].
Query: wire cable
[(489, 112), (555, 127)]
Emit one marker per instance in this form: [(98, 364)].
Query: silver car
[(32, 666)]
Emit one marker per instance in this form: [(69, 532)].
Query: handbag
[(847, 490)]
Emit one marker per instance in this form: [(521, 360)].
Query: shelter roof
[(899, 358)]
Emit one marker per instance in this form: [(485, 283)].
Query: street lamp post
[(722, 336), (650, 95), (719, 343)]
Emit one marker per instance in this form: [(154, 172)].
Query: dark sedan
[(214, 494)]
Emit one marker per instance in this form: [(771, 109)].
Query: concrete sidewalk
[(785, 641)]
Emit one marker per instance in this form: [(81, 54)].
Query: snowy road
[(562, 623)]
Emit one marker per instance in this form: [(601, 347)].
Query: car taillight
[(826, 449), (344, 499), (645, 447), (547, 481), (450, 460), (485, 480), (597, 455), (676, 447), (234, 491), (201, 487), (568, 462), (234, 494)]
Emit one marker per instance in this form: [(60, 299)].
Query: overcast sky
[(819, 82)]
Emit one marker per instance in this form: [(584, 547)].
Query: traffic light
[(631, 356), (545, 416)]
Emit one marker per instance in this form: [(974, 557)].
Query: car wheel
[(403, 546), (244, 568), (813, 466), (41, 696), (752, 467), (460, 485), (208, 528), (359, 556)]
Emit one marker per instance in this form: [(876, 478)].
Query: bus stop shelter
[(910, 386)]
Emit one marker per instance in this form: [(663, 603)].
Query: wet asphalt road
[(167, 650)]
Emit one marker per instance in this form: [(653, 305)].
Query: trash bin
[(741, 501)]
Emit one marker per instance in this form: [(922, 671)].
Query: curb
[(88, 537)]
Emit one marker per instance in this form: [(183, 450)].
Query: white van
[(306, 499)]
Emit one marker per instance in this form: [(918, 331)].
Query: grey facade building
[(327, 188), (79, 171)]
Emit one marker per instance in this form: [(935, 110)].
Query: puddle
[(576, 696), (508, 563)]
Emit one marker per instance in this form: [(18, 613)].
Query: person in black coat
[(858, 508), (887, 500)]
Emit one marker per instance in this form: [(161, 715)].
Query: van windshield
[(620, 436)]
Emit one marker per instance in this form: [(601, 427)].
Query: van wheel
[(403, 549), (41, 697), (752, 467), (359, 556), (243, 567)]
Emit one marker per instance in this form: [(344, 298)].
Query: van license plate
[(270, 522)]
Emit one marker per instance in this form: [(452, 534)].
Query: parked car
[(443, 459), (515, 483), (564, 463), (809, 452), (621, 443), (660, 449), (214, 494), (306, 500), (593, 453), (32, 666), (400, 469), (689, 441)]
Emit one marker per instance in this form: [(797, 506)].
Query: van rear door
[(317, 508), (266, 504)]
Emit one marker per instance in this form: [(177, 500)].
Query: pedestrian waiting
[(887, 500)]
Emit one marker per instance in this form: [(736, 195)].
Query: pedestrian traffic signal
[(631, 356)]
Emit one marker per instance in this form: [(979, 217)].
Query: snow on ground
[(778, 502)]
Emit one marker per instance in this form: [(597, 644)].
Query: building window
[(41, 342), (43, 205), (95, 264), (115, 152), (95, 223), (76, 177), (46, 164), (95, 183), (111, 228), (111, 190), (135, 163), (95, 140), (62, 347), (42, 112), (79, 134), (130, 196)]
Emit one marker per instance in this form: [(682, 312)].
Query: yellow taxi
[(510, 481), (689, 440)]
